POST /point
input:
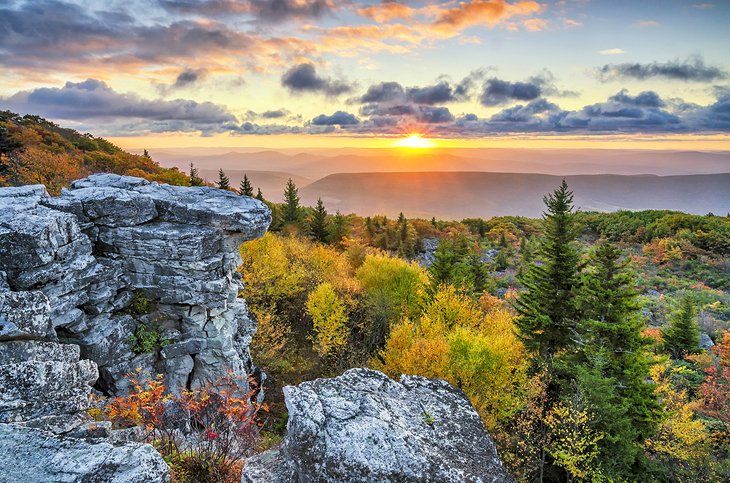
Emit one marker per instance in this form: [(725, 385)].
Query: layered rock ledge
[(120, 259), (364, 426), (45, 433)]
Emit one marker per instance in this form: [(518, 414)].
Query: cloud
[(704, 6), (94, 100), (385, 12), (303, 78), (692, 69), (430, 95), (272, 11), (189, 77), (434, 115), (622, 113), (647, 23), (614, 51), (483, 12), (339, 118), (498, 92)]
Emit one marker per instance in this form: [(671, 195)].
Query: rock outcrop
[(45, 434), (363, 426), (137, 274)]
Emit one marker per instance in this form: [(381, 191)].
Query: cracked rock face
[(111, 240), (363, 426), (45, 433)]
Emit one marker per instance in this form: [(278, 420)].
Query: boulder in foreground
[(364, 426)]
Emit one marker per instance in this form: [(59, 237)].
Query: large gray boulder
[(112, 238), (32, 455), (364, 426)]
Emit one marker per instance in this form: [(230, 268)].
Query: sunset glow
[(320, 73), (415, 141)]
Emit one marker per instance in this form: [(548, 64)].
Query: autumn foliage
[(204, 433)]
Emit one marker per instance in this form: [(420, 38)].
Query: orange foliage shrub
[(202, 434)]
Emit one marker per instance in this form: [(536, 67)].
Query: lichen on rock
[(364, 426), (110, 238)]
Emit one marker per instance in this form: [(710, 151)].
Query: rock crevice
[(119, 258)]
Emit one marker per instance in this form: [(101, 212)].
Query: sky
[(288, 73)]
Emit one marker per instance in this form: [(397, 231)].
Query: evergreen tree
[(318, 226), (683, 336), (503, 240), (146, 154), (338, 228), (433, 222), (612, 363), (547, 311), (260, 195), (501, 261), (223, 182), (369, 227), (246, 189), (195, 179), (443, 262), (291, 201)]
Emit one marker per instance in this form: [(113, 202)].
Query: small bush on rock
[(203, 434)]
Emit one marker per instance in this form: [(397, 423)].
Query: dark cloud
[(275, 114), (692, 69), (497, 91), (272, 11), (189, 77), (441, 92), (95, 100), (60, 36), (622, 113), (303, 78), (280, 10), (434, 115), (430, 95), (339, 118), (644, 99), (383, 92)]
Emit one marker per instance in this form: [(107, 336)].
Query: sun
[(414, 140)]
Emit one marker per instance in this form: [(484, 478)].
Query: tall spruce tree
[(291, 202), (195, 179), (318, 226), (612, 363), (682, 337), (245, 189), (338, 228), (259, 195), (547, 310), (223, 182)]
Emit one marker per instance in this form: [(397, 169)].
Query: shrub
[(203, 434)]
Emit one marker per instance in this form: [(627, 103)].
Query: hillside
[(322, 162), (36, 151), (271, 183), (457, 195)]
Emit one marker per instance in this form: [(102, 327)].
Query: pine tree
[(503, 240), (291, 200), (547, 311), (338, 228), (443, 263), (683, 336), (195, 179), (318, 226), (245, 189), (260, 195), (223, 182), (612, 363)]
